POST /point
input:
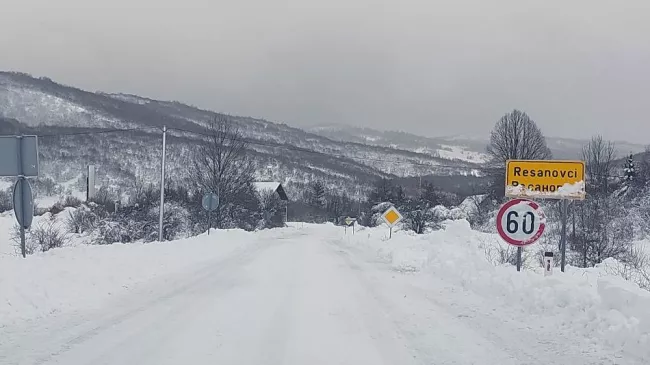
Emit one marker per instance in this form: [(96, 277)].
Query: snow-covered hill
[(295, 156), (459, 147)]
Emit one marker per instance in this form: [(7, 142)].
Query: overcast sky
[(578, 67)]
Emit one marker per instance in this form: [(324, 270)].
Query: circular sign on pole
[(23, 203), (520, 222), (210, 202)]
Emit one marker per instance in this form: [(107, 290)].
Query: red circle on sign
[(517, 242)]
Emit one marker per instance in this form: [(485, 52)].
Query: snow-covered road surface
[(301, 298)]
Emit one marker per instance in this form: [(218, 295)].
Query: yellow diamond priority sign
[(392, 216)]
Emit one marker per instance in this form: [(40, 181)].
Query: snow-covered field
[(461, 153), (311, 294)]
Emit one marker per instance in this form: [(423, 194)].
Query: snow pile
[(461, 153), (568, 191), (84, 277), (440, 212), (7, 222), (588, 302)]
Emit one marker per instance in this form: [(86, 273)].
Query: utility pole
[(359, 197), (162, 185)]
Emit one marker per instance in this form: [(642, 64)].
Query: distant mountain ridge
[(282, 153), (468, 148)]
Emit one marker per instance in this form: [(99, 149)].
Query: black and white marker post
[(548, 263)]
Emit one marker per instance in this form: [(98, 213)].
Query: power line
[(93, 132)]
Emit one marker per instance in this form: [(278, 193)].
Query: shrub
[(71, 201), (42, 238)]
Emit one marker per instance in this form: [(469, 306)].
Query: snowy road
[(293, 300)]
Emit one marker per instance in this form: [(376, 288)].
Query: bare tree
[(514, 137), (272, 209), (599, 156), (418, 216), (42, 238), (222, 165), (601, 229)]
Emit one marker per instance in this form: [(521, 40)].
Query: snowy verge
[(592, 304), (85, 277), (9, 247)]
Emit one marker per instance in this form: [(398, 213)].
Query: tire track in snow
[(58, 336)]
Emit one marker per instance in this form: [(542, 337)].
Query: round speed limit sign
[(520, 222)]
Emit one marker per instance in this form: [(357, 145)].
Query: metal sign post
[(20, 159), (547, 179), (520, 222), (19, 193), (210, 203), (25, 163), (162, 185), (349, 222), (392, 216), (565, 205), (23, 208)]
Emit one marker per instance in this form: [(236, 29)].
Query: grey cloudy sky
[(578, 67)]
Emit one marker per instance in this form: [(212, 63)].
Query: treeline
[(317, 205)]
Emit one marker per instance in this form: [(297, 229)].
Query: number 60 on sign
[(520, 222)]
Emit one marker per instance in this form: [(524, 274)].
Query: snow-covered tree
[(515, 136), (599, 156), (272, 210), (629, 169), (418, 215), (222, 165)]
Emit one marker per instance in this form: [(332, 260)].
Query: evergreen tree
[(382, 192), (629, 169), (399, 196), (430, 194), (318, 195)]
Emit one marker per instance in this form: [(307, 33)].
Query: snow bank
[(7, 222), (589, 302), (84, 277), (443, 213), (570, 191)]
